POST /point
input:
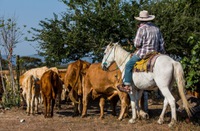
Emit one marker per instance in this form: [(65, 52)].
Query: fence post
[(18, 74)]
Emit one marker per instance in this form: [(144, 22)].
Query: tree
[(51, 39), (10, 35), (85, 29), (191, 64), (29, 62), (178, 19)]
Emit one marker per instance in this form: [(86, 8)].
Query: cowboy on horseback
[(148, 39)]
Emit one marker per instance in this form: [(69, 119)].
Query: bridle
[(105, 63)]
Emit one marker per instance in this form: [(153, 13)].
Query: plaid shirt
[(148, 39)]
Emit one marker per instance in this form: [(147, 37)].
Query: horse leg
[(141, 112), (167, 94), (133, 106), (161, 118)]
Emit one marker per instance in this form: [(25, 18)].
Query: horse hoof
[(172, 123), (131, 121), (160, 121), (145, 116)]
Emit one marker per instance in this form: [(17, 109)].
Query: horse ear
[(110, 44)]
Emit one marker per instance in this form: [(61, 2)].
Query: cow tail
[(179, 76), (71, 94), (54, 79), (29, 85)]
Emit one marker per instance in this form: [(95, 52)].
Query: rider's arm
[(138, 38), (161, 44)]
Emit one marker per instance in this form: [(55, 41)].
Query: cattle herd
[(80, 82)]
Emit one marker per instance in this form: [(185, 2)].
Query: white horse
[(165, 71)]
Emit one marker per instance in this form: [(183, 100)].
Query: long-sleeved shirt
[(148, 39)]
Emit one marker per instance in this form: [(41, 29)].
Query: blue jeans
[(128, 69)]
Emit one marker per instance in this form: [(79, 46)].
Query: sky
[(29, 13)]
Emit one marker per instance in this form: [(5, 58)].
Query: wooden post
[(18, 74)]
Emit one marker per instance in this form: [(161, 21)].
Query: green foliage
[(191, 64), (88, 26), (177, 19), (51, 39), (11, 97), (29, 62)]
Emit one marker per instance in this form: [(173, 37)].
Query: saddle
[(147, 63)]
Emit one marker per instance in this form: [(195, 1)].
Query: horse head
[(109, 55)]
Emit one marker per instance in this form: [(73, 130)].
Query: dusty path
[(63, 121)]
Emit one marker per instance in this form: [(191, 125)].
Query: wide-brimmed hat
[(144, 16)]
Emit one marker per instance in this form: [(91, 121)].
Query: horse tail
[(179, 76)]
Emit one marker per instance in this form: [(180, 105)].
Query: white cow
[(31, 92)]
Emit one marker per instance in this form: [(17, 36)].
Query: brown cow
[(73, 82), (51, 86), (103, 84)]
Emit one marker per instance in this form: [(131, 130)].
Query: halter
[(105, 63)]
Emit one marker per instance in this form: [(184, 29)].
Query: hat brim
[(151, 17)]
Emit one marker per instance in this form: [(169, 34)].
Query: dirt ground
[(16, 119)]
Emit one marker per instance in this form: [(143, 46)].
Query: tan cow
[(50, 87), (36, 72), (73, 82), (31, 92), (103, 84)]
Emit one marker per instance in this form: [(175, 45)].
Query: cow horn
[(72, 97)]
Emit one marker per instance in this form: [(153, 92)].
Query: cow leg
[(48, 107), (58, 100), (36, 104), (80, 106), (45, 107), (32, 104), (76, 111), (114, 101), (52, 106), (101, 105), (124, 105), (85, 104), (23, 96), (28, 101)]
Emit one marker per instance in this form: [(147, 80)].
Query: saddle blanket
[(147, 63)]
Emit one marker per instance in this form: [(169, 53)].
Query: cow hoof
[(83, 116), (120, 119), (101, 118), (75, 114), (131, 121)]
